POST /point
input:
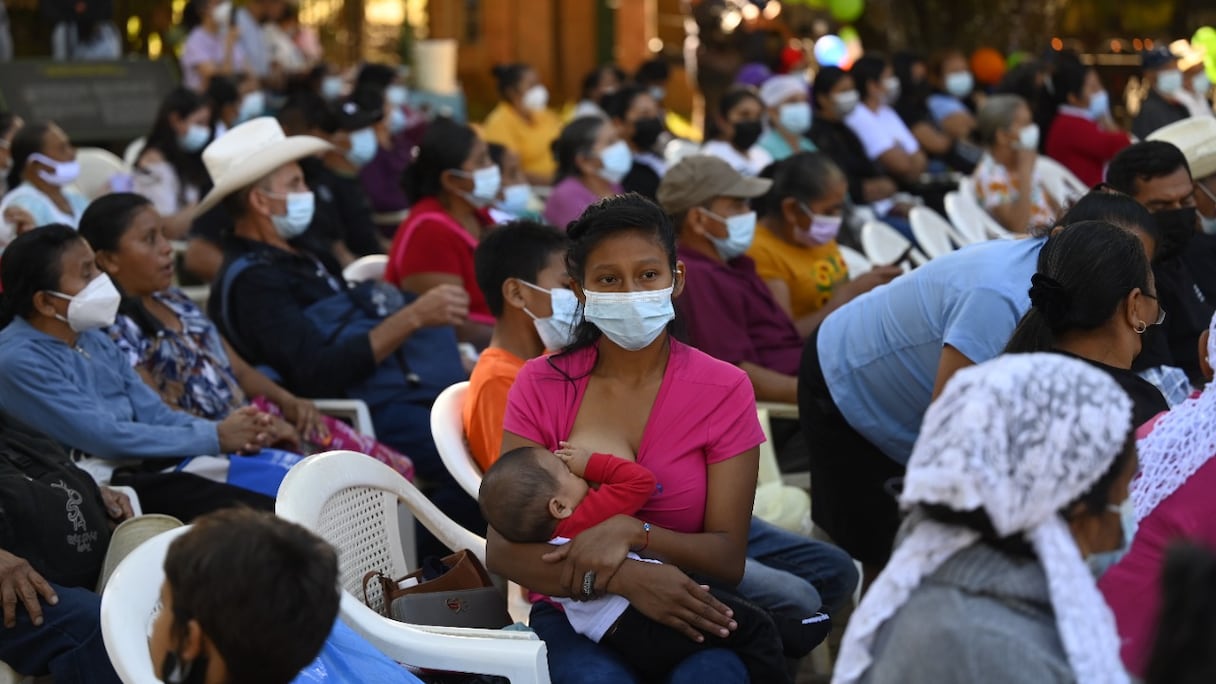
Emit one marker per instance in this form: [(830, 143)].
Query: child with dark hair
[(533, 496)]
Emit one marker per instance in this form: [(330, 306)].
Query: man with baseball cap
[(1161, 106), (267, 297), (727, 309)]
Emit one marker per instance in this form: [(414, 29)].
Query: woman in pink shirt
[(1173, 501), (626, 388)]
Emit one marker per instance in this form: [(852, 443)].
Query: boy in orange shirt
[(521, 270)]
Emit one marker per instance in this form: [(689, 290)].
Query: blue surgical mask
[(486, 183), (396, 95), (740, 231), (631, 320), (616, 160), (658, 93), (1099, 104), (960, 83), (363, 146), (396, 120), (1201, 84), (253, 105), (1169, 82), (300, 208), (557, 330), (795, 117), (332, 87), (516, 199), (195, 139)]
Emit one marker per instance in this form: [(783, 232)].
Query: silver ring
[(589, 584)]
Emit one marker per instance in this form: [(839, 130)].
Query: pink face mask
[(823, 229)]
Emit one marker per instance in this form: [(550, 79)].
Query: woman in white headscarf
[(1172, 498), (1017, 475)]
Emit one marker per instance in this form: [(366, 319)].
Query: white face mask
[(960, 83), (222, 13), (93, 307), (890, 86), (631, 320), (536, 99), (486, 183), (616, 160), (300, 209), (1169, 82), (61, 173), (556, 331), (795, 117), (332, 87), (363, 145), (740, 231), (253, 105), (396, 95), (1028, 138), (846, 102), (196, 138), (516, 199)]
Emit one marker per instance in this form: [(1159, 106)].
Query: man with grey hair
[(1006, 183)]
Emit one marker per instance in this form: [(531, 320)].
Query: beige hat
[(1196, 137), (700, 178), (128, 536), (250, 152), (1189, 54)]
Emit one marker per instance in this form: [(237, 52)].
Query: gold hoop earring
[(1140, 327)]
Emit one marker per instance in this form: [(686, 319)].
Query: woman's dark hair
[(33, 263), (1184, 648), (804, 176), (221, 92), (188, 165), (868, 70), (192, 14), (617, 105), (1068, 78), (912, 105), (103, 224), (445, 146), (825, 80), (576, 140), (592, 80), (497, 152), (729, 101), (1083, 273), (607, 218), (1095, 500), (29, 140), (508, 76)]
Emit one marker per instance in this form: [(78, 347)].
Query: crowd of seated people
[(605, 296)]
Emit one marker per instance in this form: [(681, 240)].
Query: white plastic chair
[(370, 267), (353, 410), (127, 606), (1063, 184), (776, 502), (350, 500), (884, 245), (447, 429), (968, 216), (856, 262), (130, 154), (97, 167), (933, 232)]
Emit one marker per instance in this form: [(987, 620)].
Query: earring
[(1140, 327)]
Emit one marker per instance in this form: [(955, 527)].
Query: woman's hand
[(666, 595), (244, 431), (284, 435), (599, 550), (303, 414)]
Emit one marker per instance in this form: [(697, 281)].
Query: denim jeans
[(575, 659), (787, 572), (67, 646)]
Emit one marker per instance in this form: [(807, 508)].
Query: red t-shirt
[(624, 487), (1082, 147), (431, 241)]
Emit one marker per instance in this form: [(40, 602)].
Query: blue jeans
[(789, 573), (575, 659), (67, 646)]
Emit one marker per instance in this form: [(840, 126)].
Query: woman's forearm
[(713, 554), (522, 563)]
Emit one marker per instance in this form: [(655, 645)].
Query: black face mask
[(1175, 228), (646, 132), (746, 134)]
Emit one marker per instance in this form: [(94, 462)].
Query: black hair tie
[(1049, 296)]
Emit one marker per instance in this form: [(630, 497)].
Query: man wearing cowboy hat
[(262, 305), (1196, 86)]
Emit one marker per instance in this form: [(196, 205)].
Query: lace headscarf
[(1019, 437), (1180, 443)]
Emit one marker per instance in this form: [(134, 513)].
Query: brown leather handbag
[(454, 591)]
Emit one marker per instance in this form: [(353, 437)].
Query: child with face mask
[(739, 125)]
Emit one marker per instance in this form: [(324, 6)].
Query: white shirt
[(750, 164), (594, 618), (881, 130)]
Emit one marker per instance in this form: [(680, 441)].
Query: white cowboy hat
[(1189, 55), (250, 152), (1196, 137)]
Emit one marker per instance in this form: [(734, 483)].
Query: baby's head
[(526, 492)]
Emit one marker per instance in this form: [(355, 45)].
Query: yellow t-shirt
[(812, 273), (531, 141)]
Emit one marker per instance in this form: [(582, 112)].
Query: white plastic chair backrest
[(1063, 184), (883, 244), (127, 606), (370, 267), (933, 233), (769, 470), (447, 429), (97, 167), (973, 219), (350, 501), (131, 154), (856, 261)]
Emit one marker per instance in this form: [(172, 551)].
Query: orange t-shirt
[(485, 404)]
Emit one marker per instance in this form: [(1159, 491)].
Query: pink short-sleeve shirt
[(705, 413)]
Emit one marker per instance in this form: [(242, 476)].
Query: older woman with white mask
[(1016, 477), (1005, 180)]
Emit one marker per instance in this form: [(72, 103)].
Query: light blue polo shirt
[(880, 352)]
